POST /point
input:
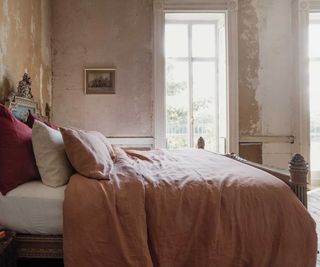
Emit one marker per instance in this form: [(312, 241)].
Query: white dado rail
[(267, 139), (145, 142)]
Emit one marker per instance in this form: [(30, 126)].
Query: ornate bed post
[(298, 169), (200, 143)]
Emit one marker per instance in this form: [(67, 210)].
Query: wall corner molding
[(159, 122), (303, 5), (313, 5), (302, 123), (232, 5), (158, 5)]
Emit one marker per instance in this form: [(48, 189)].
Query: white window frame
[(301, 10), (189, 59), (230, 8)]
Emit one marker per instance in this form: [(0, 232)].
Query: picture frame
[(99, 81)]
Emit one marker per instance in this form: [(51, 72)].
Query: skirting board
[(267, 139)]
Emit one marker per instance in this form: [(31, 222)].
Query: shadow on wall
[(5, 89)]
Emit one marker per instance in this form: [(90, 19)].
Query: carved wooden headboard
[(21, 106), (21, 101)]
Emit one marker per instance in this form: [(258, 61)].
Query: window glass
[(315, 113), (203, 40), (314, 40), (177, 104), (205, 106), (176, 40), (195, 90)]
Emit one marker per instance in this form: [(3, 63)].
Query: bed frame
[(51, 247)]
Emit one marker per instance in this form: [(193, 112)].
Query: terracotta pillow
[(105, 141), (87, 153), (17, 162), (31, 118)]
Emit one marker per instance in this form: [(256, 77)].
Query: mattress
[(33, 208)]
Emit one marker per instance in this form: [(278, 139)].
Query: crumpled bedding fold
[(188, 208)]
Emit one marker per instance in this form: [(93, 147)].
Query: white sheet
[(33, 208)]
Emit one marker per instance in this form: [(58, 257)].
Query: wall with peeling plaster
[(113, 33), (25, 45), (249, 65), (266, 69)]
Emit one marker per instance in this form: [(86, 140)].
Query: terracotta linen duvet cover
[(188, 208)]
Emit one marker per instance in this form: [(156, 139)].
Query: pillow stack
[(42, 150)]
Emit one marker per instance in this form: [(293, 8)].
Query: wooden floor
[(314, 209)]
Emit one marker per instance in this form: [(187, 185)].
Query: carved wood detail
[(298, 169), (233, 5), (39, 246), (201, 143), (303, 5), (158, 5), (23, 89)]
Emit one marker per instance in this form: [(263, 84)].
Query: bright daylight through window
[(314, 92), (195, 51)]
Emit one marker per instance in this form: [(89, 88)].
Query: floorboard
[(314, 209)]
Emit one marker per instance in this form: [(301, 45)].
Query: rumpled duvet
[(187, 208)]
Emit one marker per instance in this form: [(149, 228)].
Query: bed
[(46, 241)]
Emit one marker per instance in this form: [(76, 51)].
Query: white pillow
[(53, 164)]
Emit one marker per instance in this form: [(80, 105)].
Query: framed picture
[(99, 81)]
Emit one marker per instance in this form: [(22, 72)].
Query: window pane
[(203, 40), (314, 40), (315, 114), (177, 103), (205, 108), (176, 40)]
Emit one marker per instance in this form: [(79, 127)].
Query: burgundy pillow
[(17, 162), (31, 118)]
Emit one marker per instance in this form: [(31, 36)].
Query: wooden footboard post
[(298, 169)]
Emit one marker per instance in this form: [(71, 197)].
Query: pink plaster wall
[(99, 33)]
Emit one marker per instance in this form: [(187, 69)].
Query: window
[(196, 89), (314, 92)]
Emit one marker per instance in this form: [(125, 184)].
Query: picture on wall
[(100, 81)]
